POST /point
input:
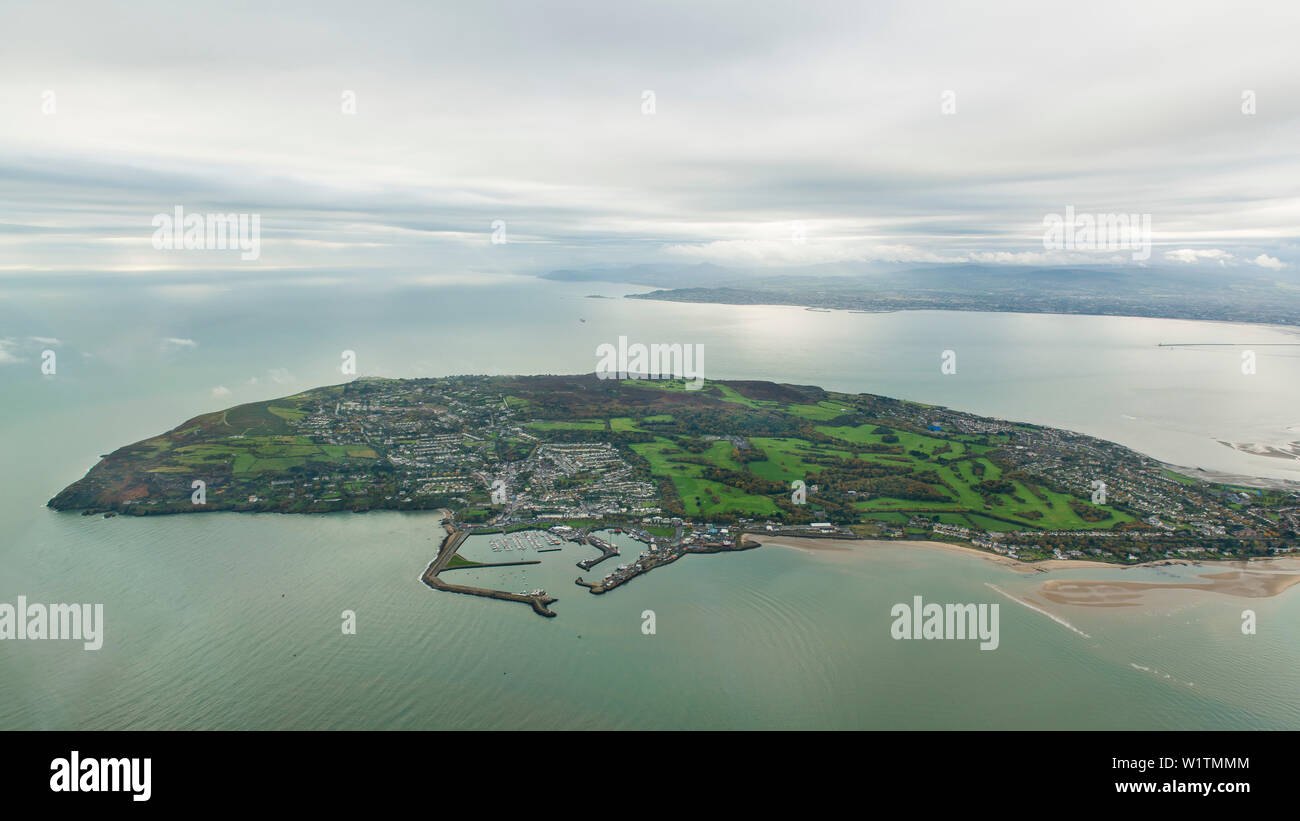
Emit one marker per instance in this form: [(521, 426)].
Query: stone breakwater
[(668, 556), (454, 539)]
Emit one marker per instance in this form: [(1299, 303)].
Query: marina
[(527, 540)]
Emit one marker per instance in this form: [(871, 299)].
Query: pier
[(606, 549), (619, 578), (493, 564)]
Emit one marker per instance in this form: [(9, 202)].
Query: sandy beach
[(821, 545), (816, 545), (1256, 579), (1244, 583)]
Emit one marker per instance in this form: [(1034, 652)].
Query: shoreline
[(1220, 477), (1253, 579), (1045, 566), (662, 293)]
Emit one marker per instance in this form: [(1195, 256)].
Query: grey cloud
[(826, 113)]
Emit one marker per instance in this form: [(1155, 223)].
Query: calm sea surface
[(233, 621)]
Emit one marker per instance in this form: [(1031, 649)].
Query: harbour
[(536, 599)]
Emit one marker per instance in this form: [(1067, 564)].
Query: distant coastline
[(872, 304), (1150, 291)]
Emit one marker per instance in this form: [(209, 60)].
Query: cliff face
[(99, 491), (118, 480)]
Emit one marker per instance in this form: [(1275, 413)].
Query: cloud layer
[(781, 133)]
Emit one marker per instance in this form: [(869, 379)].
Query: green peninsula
[(758, 457)]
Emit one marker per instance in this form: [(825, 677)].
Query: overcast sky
[(766, 115)]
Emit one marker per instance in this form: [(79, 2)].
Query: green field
[(701, 496), (972, 489), (785, 461), (578, 424), (255, 453)]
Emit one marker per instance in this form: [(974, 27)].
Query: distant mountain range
[(1233, 294)]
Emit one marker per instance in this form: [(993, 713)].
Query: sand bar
[(1259, 578), (1245, 583)]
